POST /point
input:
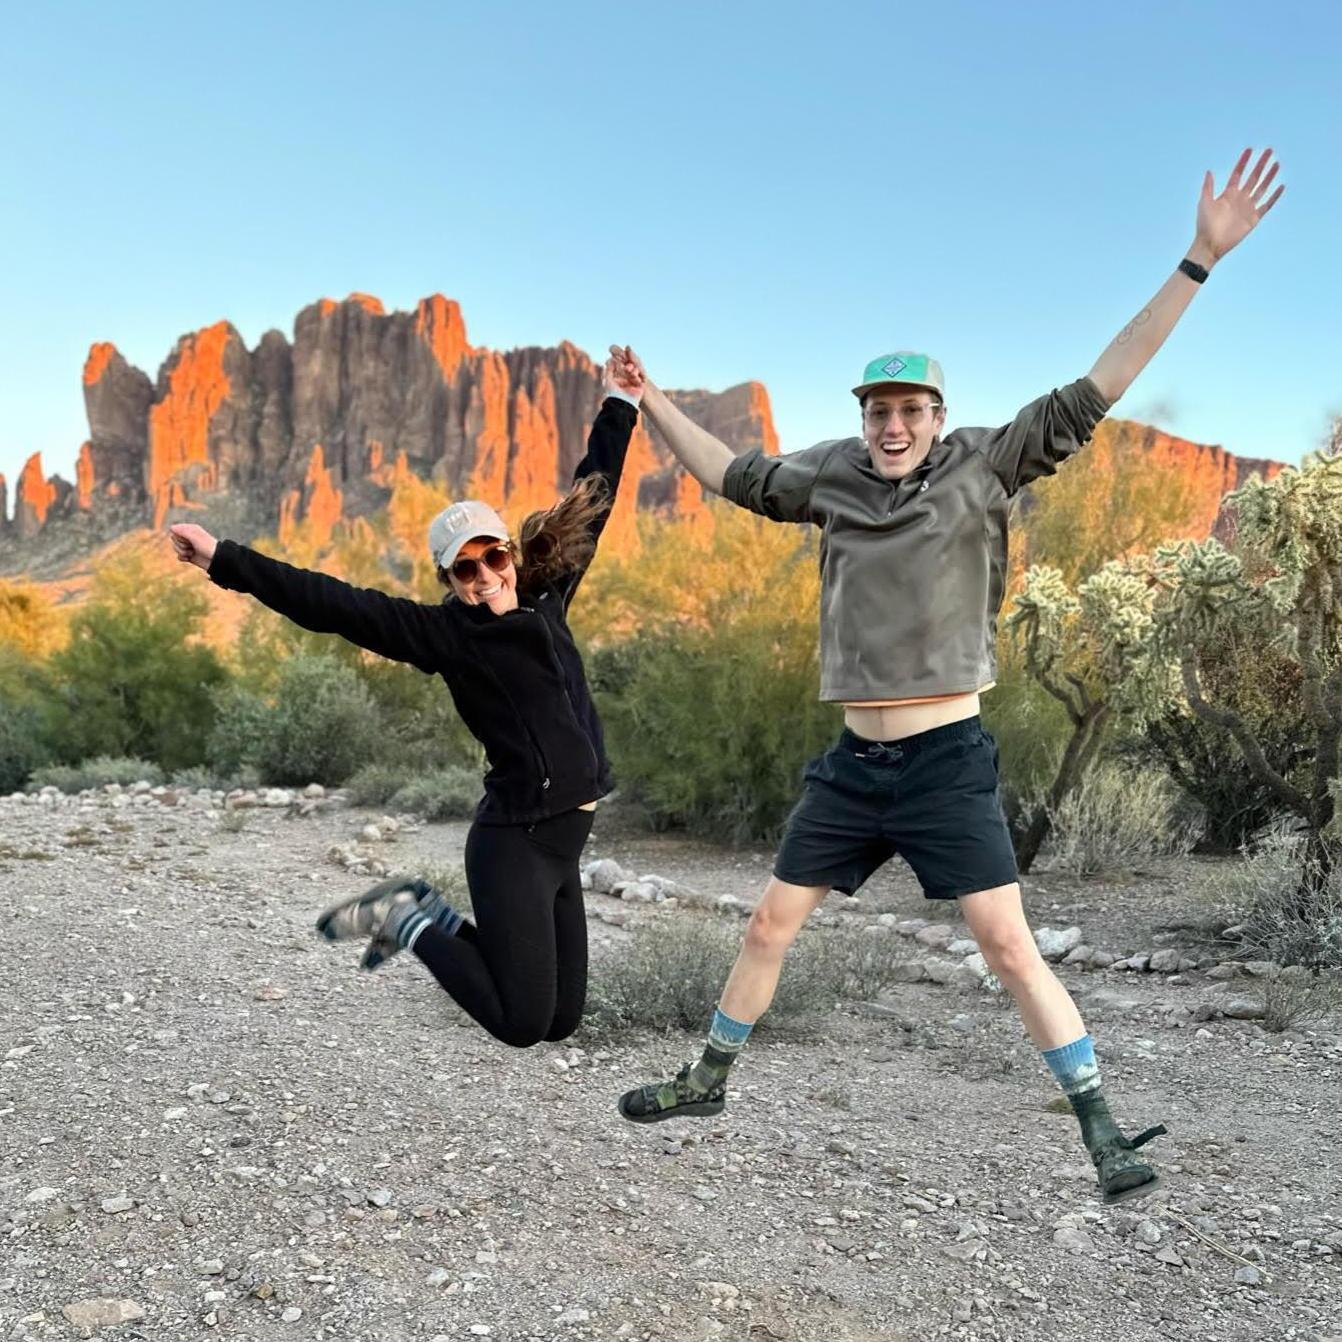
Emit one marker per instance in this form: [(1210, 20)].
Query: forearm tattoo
[(1130, 329)]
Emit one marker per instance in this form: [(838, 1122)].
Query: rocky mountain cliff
[(255, 441)]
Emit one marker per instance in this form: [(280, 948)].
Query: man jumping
[(913, 560)]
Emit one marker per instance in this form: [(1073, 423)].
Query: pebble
[(102, 1312), (291, 1315), (1073, 1240)]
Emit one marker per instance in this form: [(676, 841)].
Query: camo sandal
[(1122, 1175), (672, 1099)]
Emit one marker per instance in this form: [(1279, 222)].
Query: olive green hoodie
[(913, 570)]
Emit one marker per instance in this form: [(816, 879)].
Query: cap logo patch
[(894, 367)]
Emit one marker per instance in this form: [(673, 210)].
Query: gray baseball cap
[(459, 523)]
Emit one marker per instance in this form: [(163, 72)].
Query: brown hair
[(555, 540)]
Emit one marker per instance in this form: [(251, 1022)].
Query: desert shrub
[(702, 652), (201, 776), (319, 726), (712, 728), (1117, 819), (448, 793), (23, 744), (95, 773), (670, 977), (421, 727), (1299, 995), (443, 794), (1243, 670), (376, 784), (1281, 925), (133, 681)]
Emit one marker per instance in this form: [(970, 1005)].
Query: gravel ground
[(210, 1122)]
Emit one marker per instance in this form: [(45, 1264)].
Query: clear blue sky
[(774, 191)]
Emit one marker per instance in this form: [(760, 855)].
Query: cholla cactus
[(1096, 652), (1285, 576)]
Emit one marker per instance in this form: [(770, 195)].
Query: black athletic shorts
[(932, 798)]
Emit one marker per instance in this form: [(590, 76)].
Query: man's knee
[(777, 919), (1013, 959)]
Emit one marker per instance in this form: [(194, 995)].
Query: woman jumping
[(501, 641)]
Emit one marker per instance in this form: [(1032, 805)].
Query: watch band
[(1195, 272)]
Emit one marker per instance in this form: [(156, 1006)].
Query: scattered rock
[(1054, 942), (936, 935), (1073, 1240), (102, 1312), (605, 874), (1262, 969)]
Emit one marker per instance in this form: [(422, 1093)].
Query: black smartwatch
[(1195, 272)]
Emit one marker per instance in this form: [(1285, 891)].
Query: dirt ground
[(212, 1123)]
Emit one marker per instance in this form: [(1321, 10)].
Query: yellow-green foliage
[(30, 626), (707, 673), (134, 679), (1117, 497), (1095, 646)]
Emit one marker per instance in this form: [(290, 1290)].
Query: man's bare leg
[(698, 1090), (997, 922)]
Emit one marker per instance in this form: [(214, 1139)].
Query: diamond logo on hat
[(895, 367)]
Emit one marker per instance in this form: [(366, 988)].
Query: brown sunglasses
[(497, 557)]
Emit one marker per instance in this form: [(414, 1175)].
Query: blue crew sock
[(439, 911), (726, 1038), (1074, 1066)]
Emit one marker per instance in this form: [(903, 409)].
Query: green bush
[(23, 744), (320, 725), (444, 794), (1248, 674), (376, 784), (421, 727), (132, 681), (710, 729), (671, 976), (88, 775)]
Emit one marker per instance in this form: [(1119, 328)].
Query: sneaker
[(364, 915), (672, 1099)]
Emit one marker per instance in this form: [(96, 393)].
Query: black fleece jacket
[(516, 679)]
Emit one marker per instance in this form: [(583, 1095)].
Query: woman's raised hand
[(194, 545), (624, 371)]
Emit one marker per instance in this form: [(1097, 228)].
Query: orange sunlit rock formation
[(320, 428)]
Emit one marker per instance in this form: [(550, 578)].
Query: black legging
[(521, 968)]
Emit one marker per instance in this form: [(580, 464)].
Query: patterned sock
[(1074, 1066), (438, 910), (726, 1038), (403, 925)]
